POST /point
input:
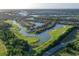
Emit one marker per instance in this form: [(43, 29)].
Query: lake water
[(44, 36)]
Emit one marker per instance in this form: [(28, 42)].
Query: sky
[(24, 5), (36, 4), (56, 6)]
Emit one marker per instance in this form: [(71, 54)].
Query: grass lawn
[(58, 32), (55, 34), (30, 40), (3, 50)]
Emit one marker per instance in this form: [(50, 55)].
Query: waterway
[(44, 36)]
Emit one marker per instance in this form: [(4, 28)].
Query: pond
[(44, 36)]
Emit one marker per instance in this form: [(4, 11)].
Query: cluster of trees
[(75, 45), (14, 45)]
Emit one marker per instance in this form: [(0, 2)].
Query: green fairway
[(56, 33), (31, 40)]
